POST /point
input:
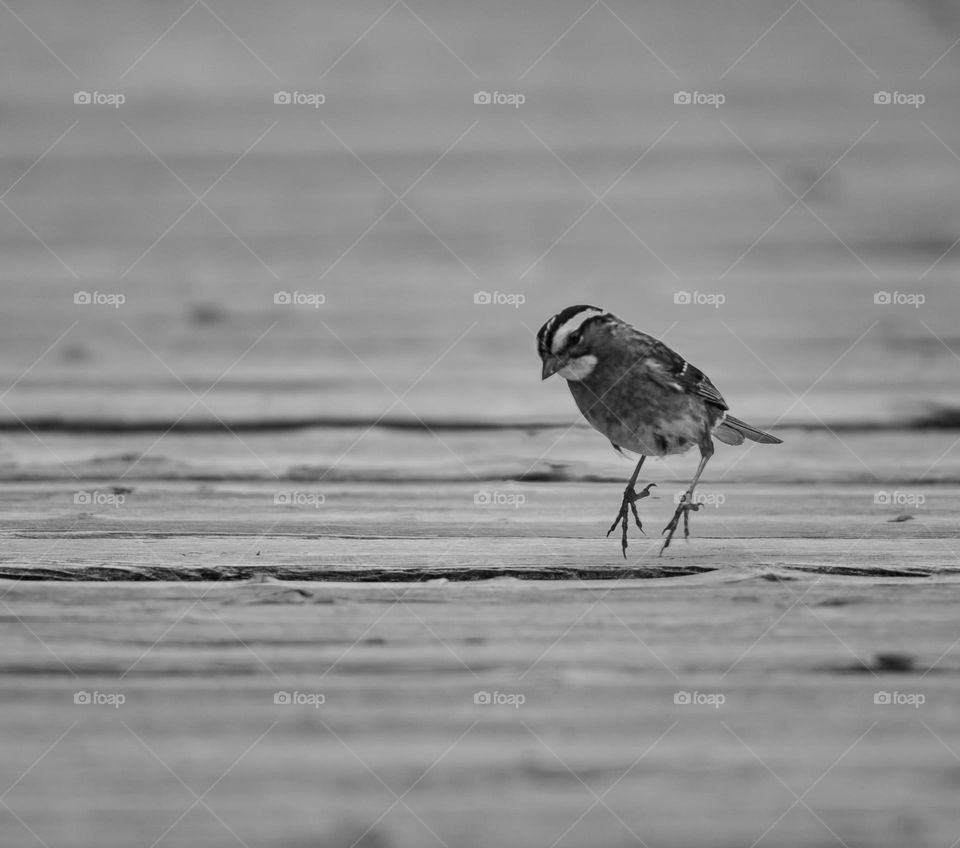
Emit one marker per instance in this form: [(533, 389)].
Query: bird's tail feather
[(732, 431)]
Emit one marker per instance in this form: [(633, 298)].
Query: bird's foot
[(628, 505), (684, 509)]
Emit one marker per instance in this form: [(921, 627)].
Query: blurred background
[(383, 235)]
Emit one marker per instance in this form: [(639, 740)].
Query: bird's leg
[(686, 502), (628, 505)]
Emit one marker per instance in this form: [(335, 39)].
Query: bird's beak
[(551, 365)]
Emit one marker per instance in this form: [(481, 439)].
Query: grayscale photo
[(476, 425)]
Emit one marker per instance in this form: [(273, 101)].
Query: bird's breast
[(642, 416)]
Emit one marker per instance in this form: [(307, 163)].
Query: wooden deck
[(263, 564), (796, 604)]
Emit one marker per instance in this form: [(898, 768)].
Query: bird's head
[(568, 342)]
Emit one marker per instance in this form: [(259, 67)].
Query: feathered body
[(634, 389), (629, 378)]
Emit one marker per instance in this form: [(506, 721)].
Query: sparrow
[(641, 395)]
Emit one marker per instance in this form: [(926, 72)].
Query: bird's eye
[(574, 339)]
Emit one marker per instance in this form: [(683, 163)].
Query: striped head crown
[(563, 329)]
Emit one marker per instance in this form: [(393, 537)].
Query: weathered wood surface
[(426, 531), (321, 504), (312, 458), (799, 596), (598, 663), (797, 599), (711, 207)]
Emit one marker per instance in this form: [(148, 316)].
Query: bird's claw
[(685, 508), (628, 506)]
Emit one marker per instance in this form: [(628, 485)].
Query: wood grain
[(709, 208), (598, 664), (197, 599)]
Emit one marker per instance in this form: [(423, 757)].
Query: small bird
[(642, 396)]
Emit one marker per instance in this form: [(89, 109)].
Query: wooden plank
[(413, 505), (797, 599), (797, 602), (314, 458), (598, 666)]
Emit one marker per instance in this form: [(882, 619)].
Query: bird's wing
[(671, 370)]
